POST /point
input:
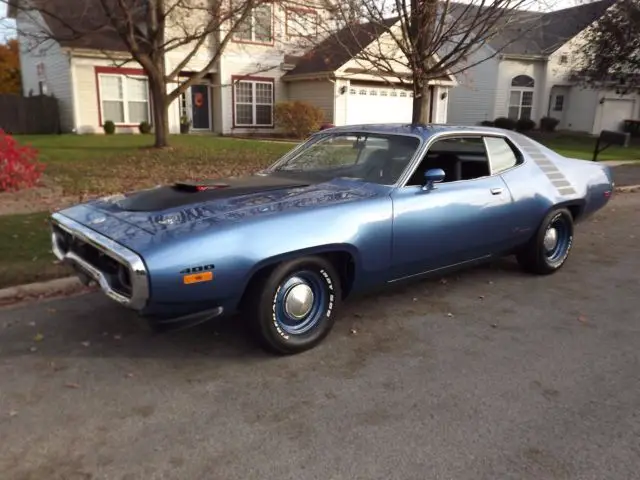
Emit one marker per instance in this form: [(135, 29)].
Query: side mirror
[(435, 175)]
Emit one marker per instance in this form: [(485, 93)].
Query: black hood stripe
[(186, 193)]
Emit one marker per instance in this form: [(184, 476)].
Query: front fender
[(238, 250)]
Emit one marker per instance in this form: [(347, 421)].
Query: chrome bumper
[(139, 281)]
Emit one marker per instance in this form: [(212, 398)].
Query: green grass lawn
[(582, 146), (25, 250), (100, 164)]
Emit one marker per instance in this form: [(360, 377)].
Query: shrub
[(525, 125), (298, 119), (548, 124), (487, 123), (505, 123), (144, 127), (19, 167), (109, 127)]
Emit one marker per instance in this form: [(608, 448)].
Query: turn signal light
[(197, 278)]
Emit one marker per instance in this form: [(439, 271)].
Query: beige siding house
[(269, 61)]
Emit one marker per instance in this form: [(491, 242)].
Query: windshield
[(371, 157)]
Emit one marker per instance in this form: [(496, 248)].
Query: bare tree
[(416, 41), (610, 56), (148, 31)]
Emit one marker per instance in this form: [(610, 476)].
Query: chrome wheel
[(300, 302), (557, 239), (550, 239)]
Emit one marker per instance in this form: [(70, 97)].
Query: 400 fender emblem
[(199, 269)]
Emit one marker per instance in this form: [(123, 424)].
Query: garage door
[(367, 104), (614, 112)]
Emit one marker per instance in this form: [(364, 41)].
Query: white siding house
[(531, 77)]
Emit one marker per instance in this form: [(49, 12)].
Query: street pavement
[(488, 374)]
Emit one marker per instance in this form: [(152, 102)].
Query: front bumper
[(120, 272)]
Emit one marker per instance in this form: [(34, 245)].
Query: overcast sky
[(7, 28)]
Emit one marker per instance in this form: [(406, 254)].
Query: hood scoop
[(181, 194), (195, 187)]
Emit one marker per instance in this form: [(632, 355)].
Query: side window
[(501, 154), (461, 158)]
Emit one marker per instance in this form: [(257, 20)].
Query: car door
[(456, 222)]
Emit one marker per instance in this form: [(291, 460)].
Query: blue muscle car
[(351, 209)]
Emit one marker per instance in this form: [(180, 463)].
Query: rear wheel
[(294, 308), (549, 248)]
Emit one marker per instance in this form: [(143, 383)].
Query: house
[(267, 61), (531, 75)]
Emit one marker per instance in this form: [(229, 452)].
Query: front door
[(454, 223), (200, 107)]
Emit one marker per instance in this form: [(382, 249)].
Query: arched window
[(521, 97), (523, 81)]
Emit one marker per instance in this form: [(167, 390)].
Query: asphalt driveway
[(491, 374)]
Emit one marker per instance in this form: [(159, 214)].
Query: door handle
[(496, 191)]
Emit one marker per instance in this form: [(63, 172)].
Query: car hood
[(168, 208)]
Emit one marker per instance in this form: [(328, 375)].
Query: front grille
[(116, 273)]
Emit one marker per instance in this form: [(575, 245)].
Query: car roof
[(421, 130)]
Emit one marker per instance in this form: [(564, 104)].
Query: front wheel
[(294, 308), (549, 248)]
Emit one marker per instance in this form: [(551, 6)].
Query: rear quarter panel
[(547, 179)]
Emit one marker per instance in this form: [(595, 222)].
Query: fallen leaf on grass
[(38, 338)]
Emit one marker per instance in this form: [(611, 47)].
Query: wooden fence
[(29, 115)]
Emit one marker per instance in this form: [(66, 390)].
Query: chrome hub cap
[(298, 301), (550, 239)]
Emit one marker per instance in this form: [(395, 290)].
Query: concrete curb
[(628, 189), (60, 286)]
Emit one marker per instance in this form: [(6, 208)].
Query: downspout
[(74, 93), (335, 100)]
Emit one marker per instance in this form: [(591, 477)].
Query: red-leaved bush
[(19, 166)]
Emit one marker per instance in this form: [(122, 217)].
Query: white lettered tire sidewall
[(271, 333)]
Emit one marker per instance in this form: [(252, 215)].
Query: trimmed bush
[(487, 123), (144, 127), (298, 119), (548, 124), (19, 167), (109, 127), (505, 123), (525, 125)]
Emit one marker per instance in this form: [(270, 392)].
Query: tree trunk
[(160, 112), (421, 103)]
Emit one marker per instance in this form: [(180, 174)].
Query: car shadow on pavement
[(92, 326)]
